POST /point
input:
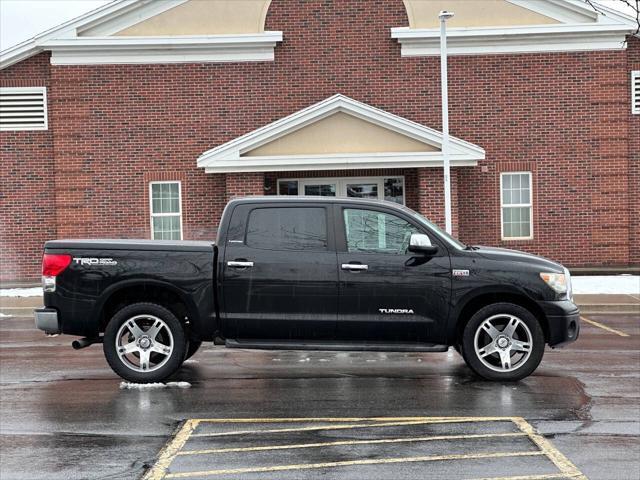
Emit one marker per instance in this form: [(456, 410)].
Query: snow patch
[(21, 292), (606, 284), (4, 315), (153, 386)]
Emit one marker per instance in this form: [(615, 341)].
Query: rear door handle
[(354, 267), (237, 264)]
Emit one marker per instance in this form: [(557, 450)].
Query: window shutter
[(635, 92), (23, 108)]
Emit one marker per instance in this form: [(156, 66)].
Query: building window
[(516, 206), (23, 108), (377, 188), (635, 92), (166, 210)]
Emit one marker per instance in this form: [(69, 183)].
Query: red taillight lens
[(54, 264)]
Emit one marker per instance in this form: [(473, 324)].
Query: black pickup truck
[(308, 274)]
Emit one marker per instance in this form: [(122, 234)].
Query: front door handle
[(356, 267), (237, 264)]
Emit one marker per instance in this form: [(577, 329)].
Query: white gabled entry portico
[(338, 133), (344, 148)]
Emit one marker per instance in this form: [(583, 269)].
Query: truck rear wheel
[(144, 343), (503, 342)]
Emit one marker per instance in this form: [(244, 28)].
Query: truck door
[(280, 279), (386, 292)]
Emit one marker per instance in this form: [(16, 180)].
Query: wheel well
[(481, 301), (144, 293)]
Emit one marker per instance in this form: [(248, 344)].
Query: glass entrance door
[(319, 189), (377, 188)]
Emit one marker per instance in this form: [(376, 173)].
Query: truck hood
[(508, 255)]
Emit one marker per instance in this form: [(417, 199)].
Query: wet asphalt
[(63, 414)]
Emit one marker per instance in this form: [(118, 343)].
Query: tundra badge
[(404, 311)]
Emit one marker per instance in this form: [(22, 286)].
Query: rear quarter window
[(287, 228)]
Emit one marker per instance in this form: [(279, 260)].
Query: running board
[(336, 346)]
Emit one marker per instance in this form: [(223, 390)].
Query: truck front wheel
[(144, 343), (503, 342)]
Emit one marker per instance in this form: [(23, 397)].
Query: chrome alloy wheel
[(503, 343), (144, 343)]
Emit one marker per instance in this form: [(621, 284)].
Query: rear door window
[(288, 228)]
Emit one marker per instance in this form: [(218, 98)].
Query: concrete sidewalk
[(589, 304), (594, 304)]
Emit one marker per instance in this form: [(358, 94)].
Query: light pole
[(444, 15)]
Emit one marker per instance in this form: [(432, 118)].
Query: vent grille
[(23, 108), (635, 92)]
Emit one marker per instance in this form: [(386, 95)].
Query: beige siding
[(205, 17), (472, 13), (341, 133)]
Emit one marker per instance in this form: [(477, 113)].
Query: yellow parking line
[(547, 476), (422, 421), (351, 442), (349, 419), (563, 463), (347, 463), (604, 327), (159, 470)]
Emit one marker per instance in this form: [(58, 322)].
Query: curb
[(18, 311), (619, 308)]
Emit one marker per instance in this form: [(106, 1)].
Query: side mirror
[(420, 243)]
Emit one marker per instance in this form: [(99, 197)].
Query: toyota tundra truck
[(307, 274)]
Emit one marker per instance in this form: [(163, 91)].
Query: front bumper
[(563, 318), (47, 320)]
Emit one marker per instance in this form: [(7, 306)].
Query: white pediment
[(307, 140)]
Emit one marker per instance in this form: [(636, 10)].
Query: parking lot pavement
[(63, 413)]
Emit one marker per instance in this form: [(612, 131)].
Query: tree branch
[(631, 4)]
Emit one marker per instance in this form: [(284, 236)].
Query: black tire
[(192, 347), (161, 365), (497, 371)]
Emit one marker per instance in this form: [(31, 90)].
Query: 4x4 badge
[(460, 273)]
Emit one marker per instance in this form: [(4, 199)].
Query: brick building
[(141, 119)]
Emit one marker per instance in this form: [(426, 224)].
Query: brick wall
[(564, 116), (27, 214)]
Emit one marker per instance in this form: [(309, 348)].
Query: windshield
[(437, 230)]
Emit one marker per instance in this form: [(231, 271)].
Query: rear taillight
[(52, 266)]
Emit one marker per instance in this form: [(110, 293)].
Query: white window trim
[(635, 96), (341, 181), (530, 205), (179, 213), (21, 128)]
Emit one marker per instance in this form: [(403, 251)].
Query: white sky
[(23, 19)]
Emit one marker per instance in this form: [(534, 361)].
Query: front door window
[(377, 188), (376, 232)]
